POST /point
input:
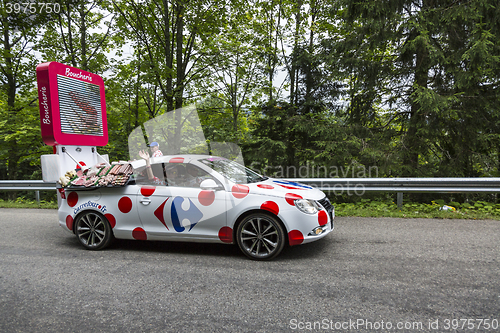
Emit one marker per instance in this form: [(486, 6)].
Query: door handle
[(145, 201)]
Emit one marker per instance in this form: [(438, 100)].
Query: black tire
[(93, 230), (260, 236)]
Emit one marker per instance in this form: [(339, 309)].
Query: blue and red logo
[(181, 217)]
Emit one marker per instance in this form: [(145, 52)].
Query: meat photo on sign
[(86, 113), (80, 107)]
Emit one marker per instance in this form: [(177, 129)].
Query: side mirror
[(209, 184)]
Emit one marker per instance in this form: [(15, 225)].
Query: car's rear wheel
[(93, 230), (260, 236)]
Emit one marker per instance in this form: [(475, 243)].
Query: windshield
[(233, 171)]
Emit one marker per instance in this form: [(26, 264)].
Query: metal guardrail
[(358, 186), (350, 186), (26, 185), (436, 185), (443, 185)]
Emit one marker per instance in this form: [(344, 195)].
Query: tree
[(468, 80), (17, 63), (268, 28), (82, 35), (169, 32), (234, 64), (410, 59)]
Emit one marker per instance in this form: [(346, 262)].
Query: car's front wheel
[(260, 236), (93, 230)]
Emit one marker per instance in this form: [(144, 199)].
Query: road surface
[(369, 275)]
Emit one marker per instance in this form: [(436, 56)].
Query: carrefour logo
[(88, 204), (184, 214)]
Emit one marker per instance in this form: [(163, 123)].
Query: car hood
[(283, 188)]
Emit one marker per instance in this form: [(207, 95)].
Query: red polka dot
[(72, 199), (111, 220), (69, 222), (139, 234), (291, 197), (176, 160), (226, 234), (125, 205), (81, 163), (206, 198), (295, 237), (240, 191), (322, 217), (147, 190), (270, 206), (269, 187)]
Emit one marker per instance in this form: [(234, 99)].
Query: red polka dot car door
[(182, 211)]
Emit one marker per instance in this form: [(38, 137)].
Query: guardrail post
[(400, 199), (37, 196)]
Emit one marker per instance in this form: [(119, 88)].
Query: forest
[(375, 88)]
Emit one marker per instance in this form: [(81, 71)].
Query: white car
[(195, 198)]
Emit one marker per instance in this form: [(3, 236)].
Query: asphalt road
[(372, 275)]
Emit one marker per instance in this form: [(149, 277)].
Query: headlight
[(307, 206)]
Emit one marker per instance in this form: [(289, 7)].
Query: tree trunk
[(168, 52), (12, 147), (179, 40), (413, 140), (294, 71), (83, 38)]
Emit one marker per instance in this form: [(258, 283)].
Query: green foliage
[(401, 87), (434, 61), (19, 123), (80, 35), (435, 209), (217, 119), (26, 203)]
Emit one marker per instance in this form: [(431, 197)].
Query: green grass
[(24, 203), (367, 208)]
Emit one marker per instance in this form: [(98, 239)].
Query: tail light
[(62, 193)]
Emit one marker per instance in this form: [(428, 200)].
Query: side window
[(142, 178), (185, 175)]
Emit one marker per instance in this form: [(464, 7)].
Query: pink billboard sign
[(72, 106)]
